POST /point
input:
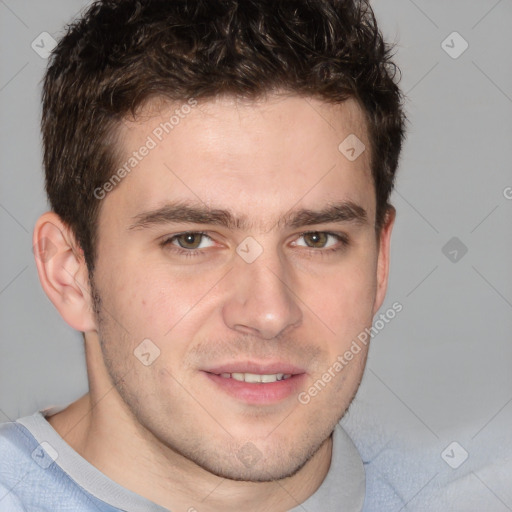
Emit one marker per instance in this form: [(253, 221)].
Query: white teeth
[(256, 378), (252, 377), (271, 378)]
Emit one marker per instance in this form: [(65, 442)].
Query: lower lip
[(259, 393)]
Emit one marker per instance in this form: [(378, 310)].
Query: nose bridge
[(260, 299)]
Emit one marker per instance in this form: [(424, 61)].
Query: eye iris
[(188, 239), (318, 239)]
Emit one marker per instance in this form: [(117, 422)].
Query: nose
[(261, 302)]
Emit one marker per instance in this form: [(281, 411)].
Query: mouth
[(254, 383), (255, 378)]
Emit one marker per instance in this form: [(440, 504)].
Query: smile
[(255, 378)]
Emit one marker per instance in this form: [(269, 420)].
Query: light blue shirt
[(40, 472)]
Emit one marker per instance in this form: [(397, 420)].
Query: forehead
[(257, 157)]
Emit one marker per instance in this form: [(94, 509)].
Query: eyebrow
[(197, 213)]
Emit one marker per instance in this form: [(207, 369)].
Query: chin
[(247, 463), (262, 471)]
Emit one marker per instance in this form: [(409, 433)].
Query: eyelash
[(189, 253)]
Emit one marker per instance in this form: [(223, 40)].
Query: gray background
[(440, 371)]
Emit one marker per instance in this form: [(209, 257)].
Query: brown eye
[(189, 240), (322, 240), (316, 239)]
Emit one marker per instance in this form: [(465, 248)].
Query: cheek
[(152, 304), (157, 303), (342, 299)]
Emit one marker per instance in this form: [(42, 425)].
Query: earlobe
[(383, 258), (63, 272)]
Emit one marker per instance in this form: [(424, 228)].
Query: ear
[(383, 258), (63, 272)]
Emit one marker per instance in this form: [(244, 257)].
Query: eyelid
[(340, 237), (167, 239)]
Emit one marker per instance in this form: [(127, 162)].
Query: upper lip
[(269, 368)]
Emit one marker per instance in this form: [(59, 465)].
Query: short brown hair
[(122, 53)]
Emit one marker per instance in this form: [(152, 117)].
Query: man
[(219, 174)]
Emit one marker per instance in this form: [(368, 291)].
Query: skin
[(165, 430)]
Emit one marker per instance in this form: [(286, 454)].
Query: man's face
[(252, 297)]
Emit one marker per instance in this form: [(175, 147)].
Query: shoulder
[(16, 446), (31, 478), (16, 465)]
